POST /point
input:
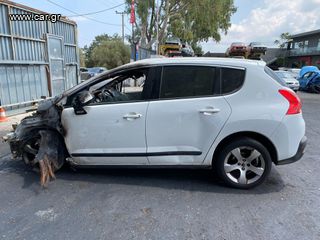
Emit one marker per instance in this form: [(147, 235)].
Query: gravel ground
[(164, 204)]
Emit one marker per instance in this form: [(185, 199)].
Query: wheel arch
[(254, 135), (32, 131)]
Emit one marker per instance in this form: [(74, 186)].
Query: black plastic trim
[(191, 153)]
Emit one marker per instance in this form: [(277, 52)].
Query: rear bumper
[(298, 155)]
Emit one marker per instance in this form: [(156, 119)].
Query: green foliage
[(191, 21), (284, 38), (107, 51), (197, 49)]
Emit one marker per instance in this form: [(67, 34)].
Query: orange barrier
[(3, 117)]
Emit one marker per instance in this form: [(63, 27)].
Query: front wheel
[(40, 144), (244, 163)]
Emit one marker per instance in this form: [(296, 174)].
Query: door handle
[(209, 110), (131, 116)]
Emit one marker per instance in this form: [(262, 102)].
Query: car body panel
[(179, 125), (288, 135), (103, 136), (256, 108)]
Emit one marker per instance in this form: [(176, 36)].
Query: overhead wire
[(92, 13), (89, 18)]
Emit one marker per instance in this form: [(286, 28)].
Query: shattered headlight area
[(38, 141)]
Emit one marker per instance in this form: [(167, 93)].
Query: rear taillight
[(294, 101)]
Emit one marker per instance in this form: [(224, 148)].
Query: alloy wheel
[(244, 165)]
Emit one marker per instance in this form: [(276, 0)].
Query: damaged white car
[(230, 114)]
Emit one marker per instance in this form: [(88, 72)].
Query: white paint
[(47, 215)]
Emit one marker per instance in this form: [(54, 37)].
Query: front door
[(113, 130), (107, 134)]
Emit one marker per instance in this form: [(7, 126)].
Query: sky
[(255, 20)]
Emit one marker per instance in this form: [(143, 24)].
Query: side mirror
[(82, 99)]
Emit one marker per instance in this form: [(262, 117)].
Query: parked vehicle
[(290, 81), (83, 69), (237, 49), (310, 79), (232, 115), (294, 72), (96, 70), (256, 49)]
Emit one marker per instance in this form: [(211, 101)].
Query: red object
[(3, 117), (294, 101), (237, 49), (132, 15), (307, 61)]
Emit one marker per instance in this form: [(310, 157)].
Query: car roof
[(196, 60), (232, 62)]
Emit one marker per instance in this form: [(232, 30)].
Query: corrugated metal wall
[(24, 62)]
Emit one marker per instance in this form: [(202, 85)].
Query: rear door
[(182, 125)]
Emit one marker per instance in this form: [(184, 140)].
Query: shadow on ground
[(200, 180)]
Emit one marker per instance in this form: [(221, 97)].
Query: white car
[(231, 115), (289, 80)]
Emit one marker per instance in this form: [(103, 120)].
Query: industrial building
[(37, 58), (304, 49)]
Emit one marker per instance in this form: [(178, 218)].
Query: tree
[(107, 51), (192, 21), (197, 49), (284, 38)]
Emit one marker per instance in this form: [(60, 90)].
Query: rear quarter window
[(231, 79), (274, 76)]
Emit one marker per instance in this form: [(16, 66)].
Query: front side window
[(231, 79), (130, 86), (188, 81)]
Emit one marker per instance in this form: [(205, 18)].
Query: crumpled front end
[(38, 140)]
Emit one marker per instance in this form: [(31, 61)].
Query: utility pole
[(157, 27), (122, 15)]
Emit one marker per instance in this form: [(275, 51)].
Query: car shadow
[(200, 180)]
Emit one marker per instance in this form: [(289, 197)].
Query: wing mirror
[(82, 99)]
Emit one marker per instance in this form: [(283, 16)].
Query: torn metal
[(38, 140)]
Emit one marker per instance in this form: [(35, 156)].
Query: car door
[(111, 132), (184, 122)]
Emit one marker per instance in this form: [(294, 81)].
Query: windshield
[(256, 43), (101, 84), (238, 44)]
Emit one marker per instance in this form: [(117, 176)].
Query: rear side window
[(231, 79), (188, 81), (274, 76)]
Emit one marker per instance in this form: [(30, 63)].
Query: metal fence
[(29, 64)]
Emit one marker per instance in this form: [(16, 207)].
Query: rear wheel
[(243, 163)]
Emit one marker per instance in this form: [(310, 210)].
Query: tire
[(30, 148), (243, 163)]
